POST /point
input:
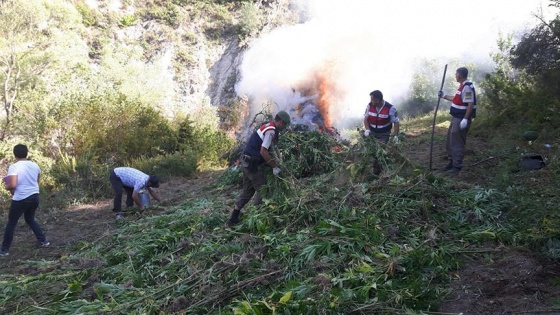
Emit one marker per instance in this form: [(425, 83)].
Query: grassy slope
[(341, 240)]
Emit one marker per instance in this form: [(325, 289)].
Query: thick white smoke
[(360, 46)]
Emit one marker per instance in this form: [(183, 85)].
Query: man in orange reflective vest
[(379, 118), (463, 110), (256, 155)]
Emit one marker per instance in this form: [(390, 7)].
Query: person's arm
[(264, 151), (154, 194), (11, 182), (136, 199), (268, 158), (468, 97), (366, 116), (469, 110), (396, 125)]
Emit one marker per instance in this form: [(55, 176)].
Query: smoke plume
[(349, 48)]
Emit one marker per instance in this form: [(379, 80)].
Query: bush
[(176, 164), (211, 145), (250, 21), (111, 128)]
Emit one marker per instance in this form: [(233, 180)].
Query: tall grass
[(330, 242)]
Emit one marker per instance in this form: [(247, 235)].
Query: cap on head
[(284, 116), (154, 181)]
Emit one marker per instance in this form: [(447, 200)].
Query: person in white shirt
[(132, 181), (23, 181)]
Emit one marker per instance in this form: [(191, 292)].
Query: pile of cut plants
[(330, 238)]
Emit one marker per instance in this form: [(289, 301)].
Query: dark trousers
[(252, 183), (26, 207), (384, 138), (118, 189)]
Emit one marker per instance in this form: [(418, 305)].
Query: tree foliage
[(525, 82), (22, 51), (538, 53)]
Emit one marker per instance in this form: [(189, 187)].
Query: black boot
[(448, 167), (234, 218)]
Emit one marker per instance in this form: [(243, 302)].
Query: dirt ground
[(85, 223), (505, 281), (495, 280)]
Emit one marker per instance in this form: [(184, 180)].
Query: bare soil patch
[(85, 223), (498, 280), (505, 281)]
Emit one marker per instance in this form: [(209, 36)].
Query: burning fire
[(325, 90), (314, 98)]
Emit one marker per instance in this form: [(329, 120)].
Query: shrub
[(127, 20), (250, 21), (176, 164), (88, 15), (211, 145), (112, 128)]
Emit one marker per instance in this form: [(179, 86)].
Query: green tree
[(40, 49), (22, 51), (538, 53)]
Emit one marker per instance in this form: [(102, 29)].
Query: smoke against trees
[(346, 49)]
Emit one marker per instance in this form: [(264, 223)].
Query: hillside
[(158, 85), (408, 241)]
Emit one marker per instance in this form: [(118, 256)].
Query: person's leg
[(16, 210), (248, 190), (31, 205), (117, 188), (129, 201), (383, 138), (448, 148), (258, 179), (243, 199), (458, 141)]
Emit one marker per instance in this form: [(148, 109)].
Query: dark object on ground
[(530, 135), (532, 162)]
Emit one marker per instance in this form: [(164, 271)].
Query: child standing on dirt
[(23, 180)]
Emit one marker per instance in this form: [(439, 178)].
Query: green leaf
[(287, 296)]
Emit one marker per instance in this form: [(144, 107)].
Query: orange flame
[(325, 93)]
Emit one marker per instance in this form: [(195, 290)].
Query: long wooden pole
[(435, 115)]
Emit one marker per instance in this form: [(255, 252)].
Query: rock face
[(224, 75), (178, 57)]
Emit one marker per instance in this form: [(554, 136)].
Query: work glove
[(367, 132), (396, 139), (276, 171), (440, 94), (464, 123)]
